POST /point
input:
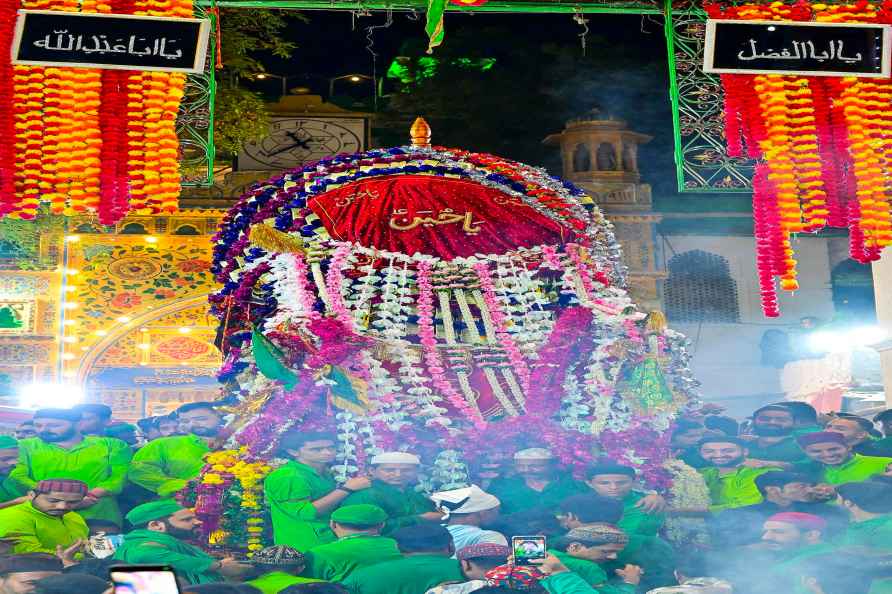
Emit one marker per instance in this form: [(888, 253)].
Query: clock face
[(294, 141)]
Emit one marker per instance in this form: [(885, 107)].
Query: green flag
[(268, 359), (434, 25)]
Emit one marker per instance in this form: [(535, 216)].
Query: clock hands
[(298, 143)]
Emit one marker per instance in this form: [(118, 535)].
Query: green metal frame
[(195, 121), (701, 160), (702, 164)]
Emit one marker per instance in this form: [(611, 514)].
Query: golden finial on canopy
[(420, 133)]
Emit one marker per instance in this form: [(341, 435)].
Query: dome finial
[(420, 133)]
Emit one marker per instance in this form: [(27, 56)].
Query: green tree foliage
[(246, 36)]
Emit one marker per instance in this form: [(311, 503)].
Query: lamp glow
[(847, 339), (34, 396)]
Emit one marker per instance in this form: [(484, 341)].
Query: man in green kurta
[(167, 464), (536, 483), (730, 480), (833, 461), (796, 537), (61, 451), (10, 492), (302, 492), (427, 562), (870, 507), (158, 538), (394, 476), (276, 568), (359, 543), (46, 522), (582, 550)]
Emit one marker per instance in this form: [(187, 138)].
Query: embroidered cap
[(61, 486)]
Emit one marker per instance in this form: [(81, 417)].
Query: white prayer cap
[(466, 500), (396, 458), (534, 454)]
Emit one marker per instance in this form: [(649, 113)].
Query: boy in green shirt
[(833, 461), (276, 568), (731, 477), (61, 451), (359, 543), (394, 476), (583, 549), (302, 493), (46, 523), (870, 507)]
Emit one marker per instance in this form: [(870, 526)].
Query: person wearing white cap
[(535, 483), (394, 477), (465, 511)]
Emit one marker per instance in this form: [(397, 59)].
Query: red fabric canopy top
[(438, 216)]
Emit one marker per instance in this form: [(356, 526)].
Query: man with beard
[(166, 465), (61, 451), (94, 418), (833, 462), (394, 476), (19, 574), (794, 537), (46, 523), (160, 531), (782, 492), (857, 432), (10, 493), (730, 480), (302, 493), (774, 444), (537, 483)]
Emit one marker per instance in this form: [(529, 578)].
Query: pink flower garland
[(498, 319), (561, 349), (303, 292), (427, 334), (550, 257), (333, 284)]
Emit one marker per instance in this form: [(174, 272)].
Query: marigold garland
[(87, 140), (825, 145)]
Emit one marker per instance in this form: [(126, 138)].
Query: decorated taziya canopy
[(439, 300)]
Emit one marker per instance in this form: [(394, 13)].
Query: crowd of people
[(798, 503)]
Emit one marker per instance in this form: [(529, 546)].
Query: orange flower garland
[(825, 145), (86, 140)]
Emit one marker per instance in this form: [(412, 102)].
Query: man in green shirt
[(276, 568), (833, 461), (426, 562), (302, 493), (359, 543), (166, 465), (19, 573), (870, 507), (774, 441), (731, 481), (158, 538), (46, 523), (10, 493), (642, 519), (537, 483), (795, 537), (61, 451), (582, 550), (394, 476)]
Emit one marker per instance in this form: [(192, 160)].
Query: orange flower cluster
[(825, 145), (88, 142)]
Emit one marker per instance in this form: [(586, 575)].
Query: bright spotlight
[(35, 396), (846, 339)]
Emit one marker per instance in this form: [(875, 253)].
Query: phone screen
[(137, 579), (528, 547)]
